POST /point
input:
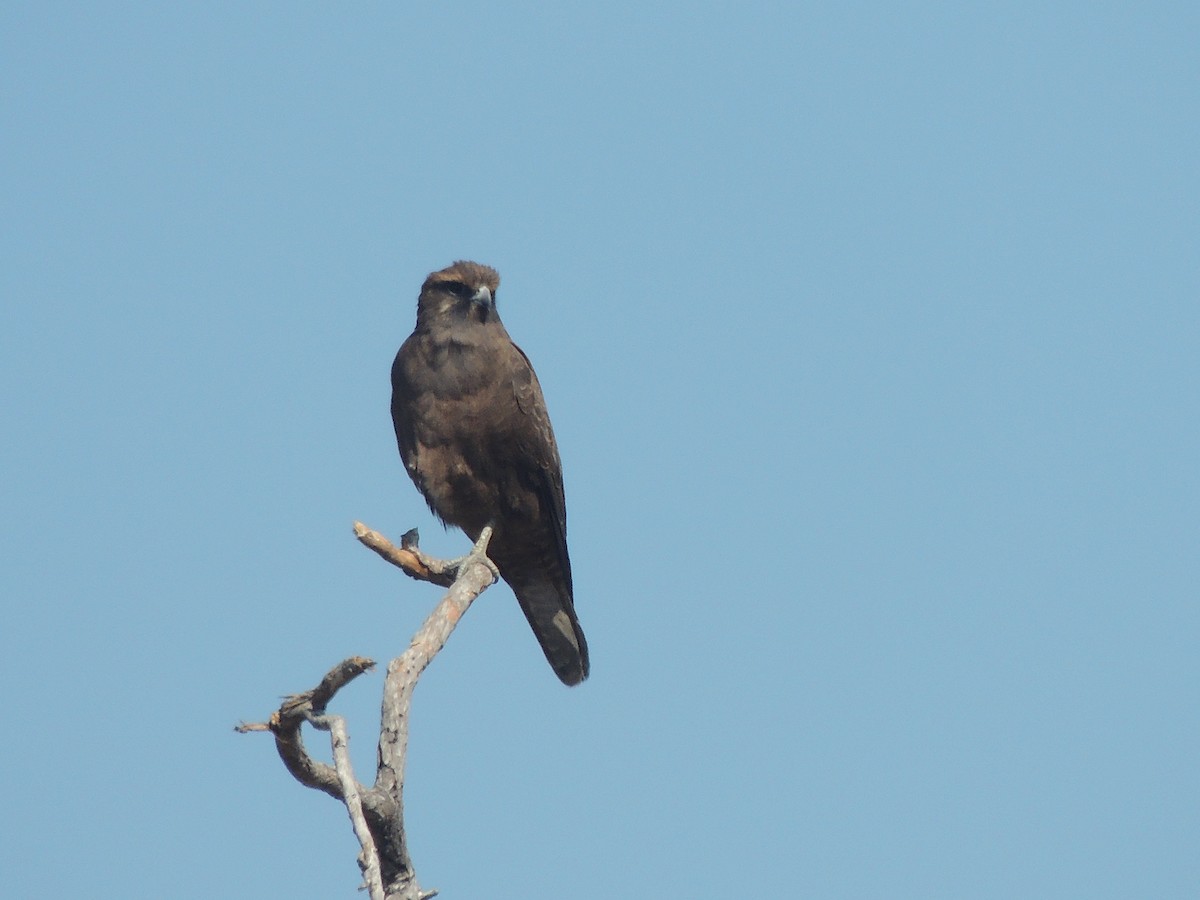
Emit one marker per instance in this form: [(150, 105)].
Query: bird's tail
[(551, 615)]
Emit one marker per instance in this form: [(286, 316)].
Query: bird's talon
[(460, 565)]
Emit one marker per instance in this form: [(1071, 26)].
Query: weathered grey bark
[(377, 812)]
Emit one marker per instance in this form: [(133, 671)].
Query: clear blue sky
[(871, 336)]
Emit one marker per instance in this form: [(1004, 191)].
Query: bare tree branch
[(476, 575), (377, 812), (295, 711), (368, 859), (408, 556)]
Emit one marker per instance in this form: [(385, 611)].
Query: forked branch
[(377, 812)]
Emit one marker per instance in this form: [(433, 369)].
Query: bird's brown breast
[(457, 403)]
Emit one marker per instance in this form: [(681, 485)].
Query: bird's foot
[(478, 554)]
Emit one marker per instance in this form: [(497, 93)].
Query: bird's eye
[(459, 290)]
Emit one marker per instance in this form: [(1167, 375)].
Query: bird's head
[(465, 291)]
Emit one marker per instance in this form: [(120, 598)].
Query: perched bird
[(476, 440)]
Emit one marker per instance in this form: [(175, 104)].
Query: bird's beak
[(482, 297)]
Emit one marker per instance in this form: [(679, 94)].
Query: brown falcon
[(475, 438)]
